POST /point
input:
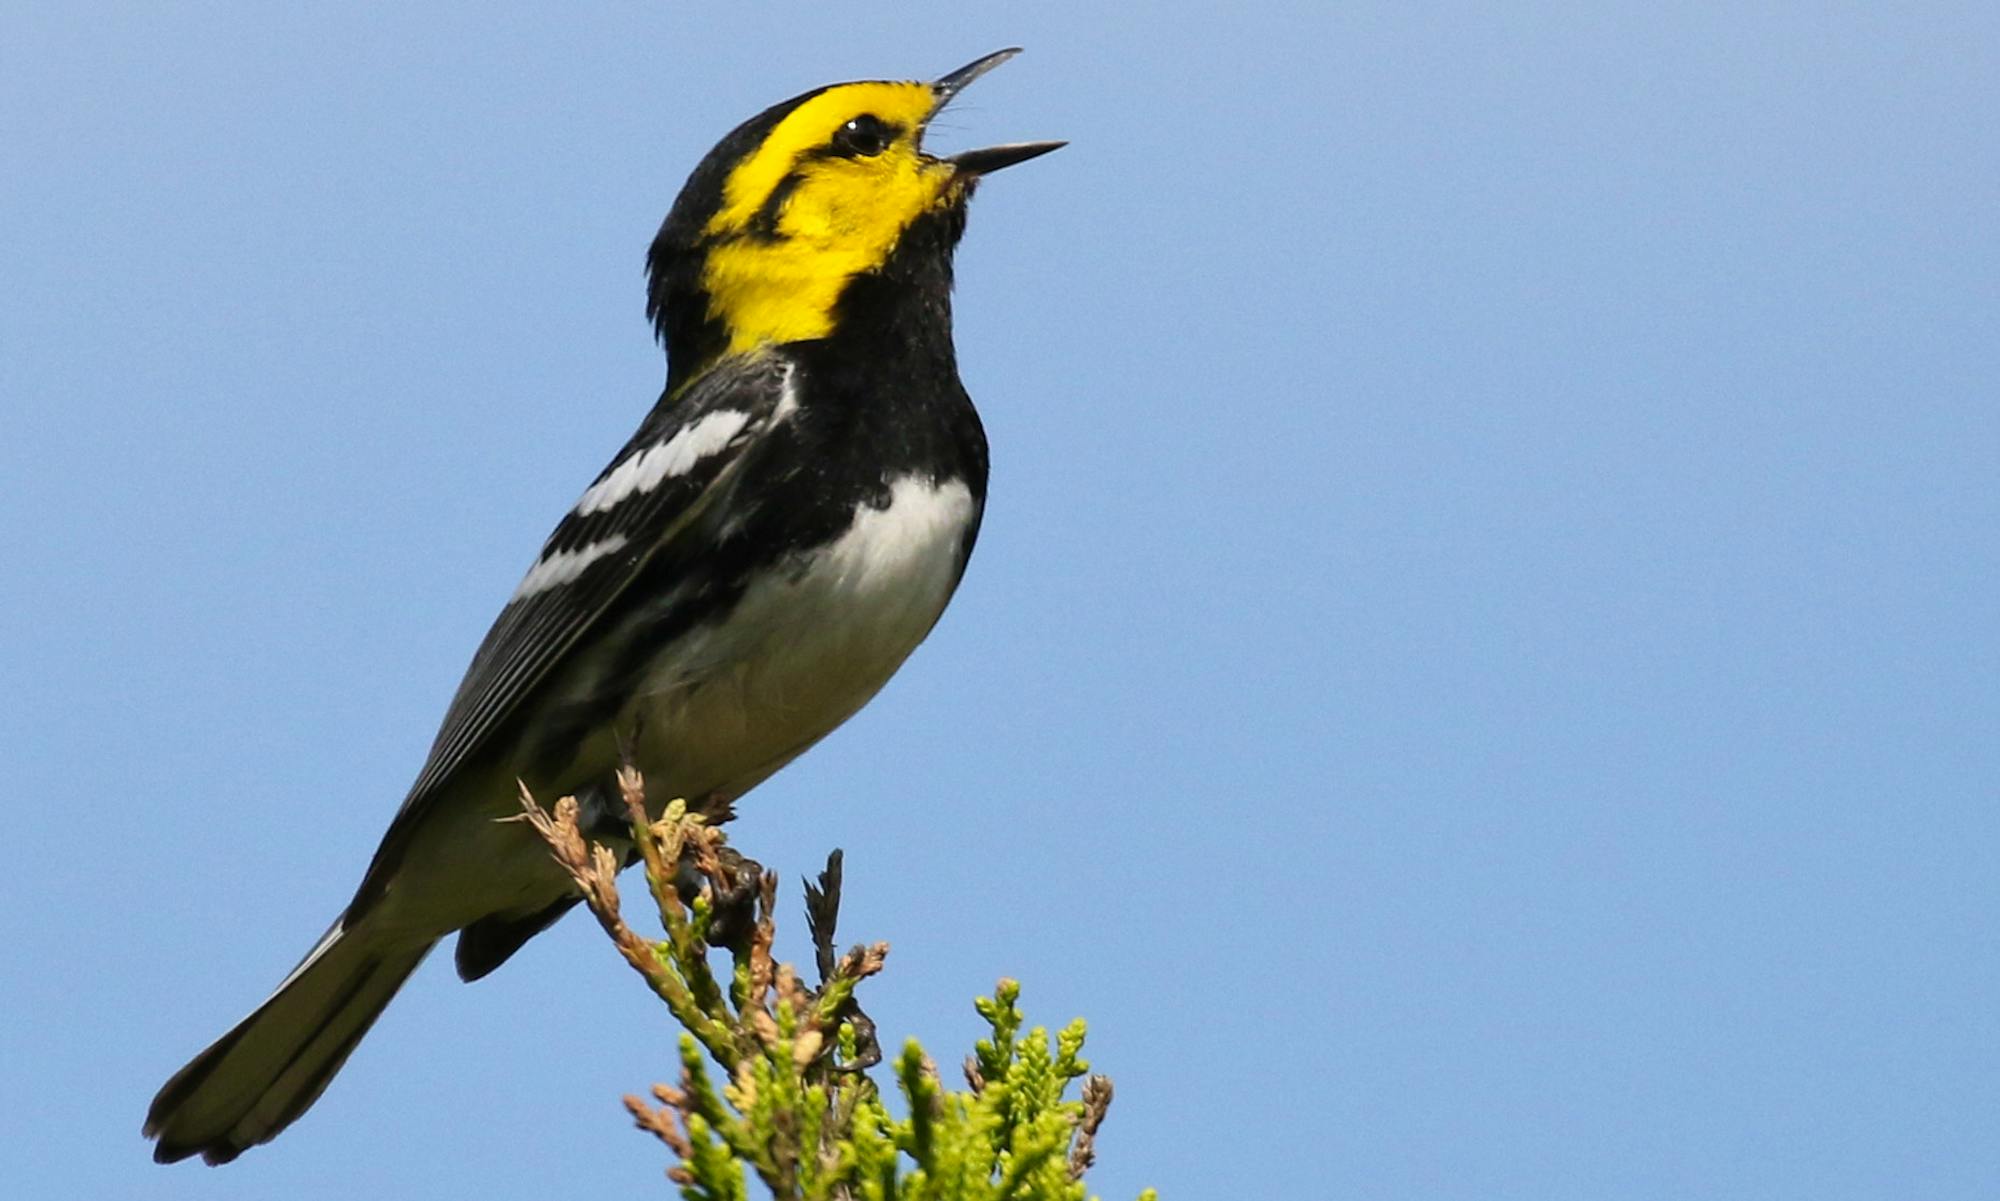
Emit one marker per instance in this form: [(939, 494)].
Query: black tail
[(257, 1079)]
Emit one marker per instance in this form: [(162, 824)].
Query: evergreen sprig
[(795, 1104)]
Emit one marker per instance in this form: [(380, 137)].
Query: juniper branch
[(795, 1104)]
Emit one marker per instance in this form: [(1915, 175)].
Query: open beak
[(992, 158)]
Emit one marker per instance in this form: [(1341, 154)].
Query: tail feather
[(257, 1079)]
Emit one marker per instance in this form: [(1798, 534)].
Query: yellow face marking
[(840, 218)]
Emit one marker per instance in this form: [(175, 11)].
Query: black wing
[(683, 455)]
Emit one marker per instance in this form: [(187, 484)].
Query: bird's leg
[(601, 817), (605, 817)]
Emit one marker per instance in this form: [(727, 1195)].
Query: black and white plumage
[(783, 529)]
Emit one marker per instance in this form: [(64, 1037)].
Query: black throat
[(885, 383)]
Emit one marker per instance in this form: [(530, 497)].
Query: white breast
[(899, 562), (805, 648)]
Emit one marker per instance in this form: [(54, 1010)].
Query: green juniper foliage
[(795, 1104)]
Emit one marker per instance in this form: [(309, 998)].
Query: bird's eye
[(864, 137)]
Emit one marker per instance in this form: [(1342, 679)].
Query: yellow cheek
[(865, 202), (841, 221)]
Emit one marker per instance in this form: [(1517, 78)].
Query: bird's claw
[(732, 896)]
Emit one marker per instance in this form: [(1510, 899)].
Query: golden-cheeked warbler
[(782, 531)]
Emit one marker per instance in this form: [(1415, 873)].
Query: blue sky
[(1479, 677)]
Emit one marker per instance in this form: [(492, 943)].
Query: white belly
[(731, 702), (725, 706)]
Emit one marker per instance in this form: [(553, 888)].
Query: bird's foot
[(732, 895)]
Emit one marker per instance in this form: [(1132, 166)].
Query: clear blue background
[(1479, 676)]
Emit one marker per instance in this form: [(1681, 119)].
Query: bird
[(784, 528)]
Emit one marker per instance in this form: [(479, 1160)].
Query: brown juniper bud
[(807, 1046)]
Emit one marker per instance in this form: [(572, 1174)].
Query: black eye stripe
[(765, 223)]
